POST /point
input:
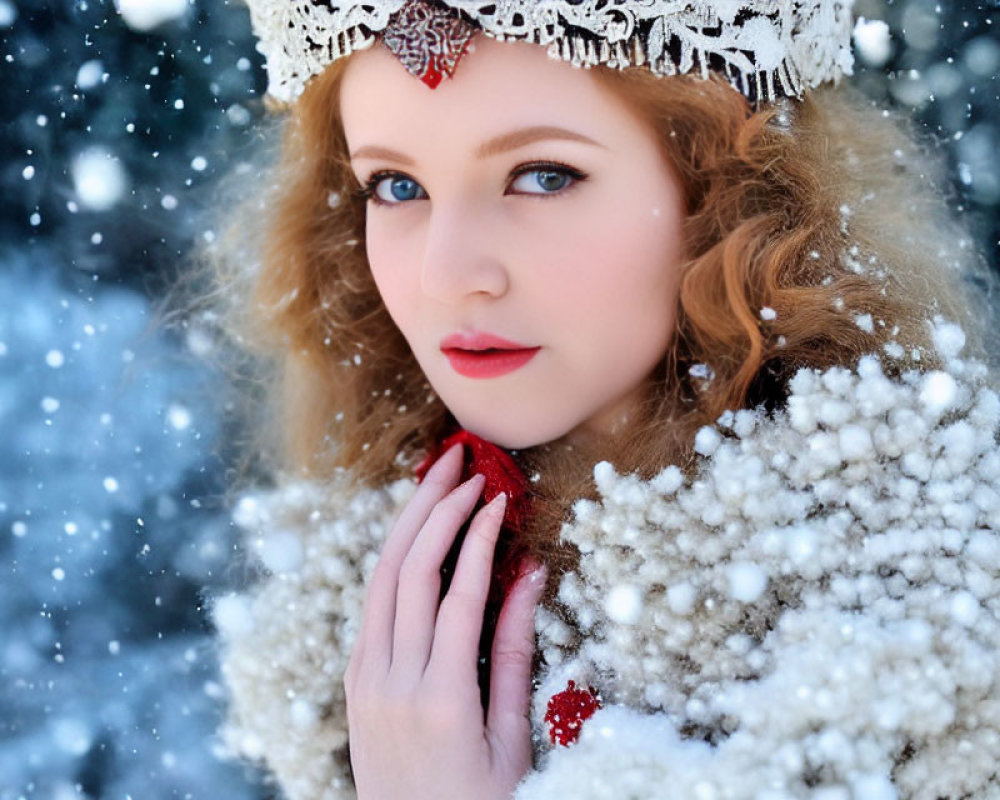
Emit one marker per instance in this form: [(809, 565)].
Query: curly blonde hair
[(813, 237)]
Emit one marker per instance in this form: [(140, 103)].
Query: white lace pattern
[(767, 48)]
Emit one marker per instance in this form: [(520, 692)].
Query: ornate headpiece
[(767, 48)]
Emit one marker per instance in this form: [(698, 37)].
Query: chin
[(510, 436)]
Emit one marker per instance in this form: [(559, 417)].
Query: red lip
[(475, 340), (483, 355)]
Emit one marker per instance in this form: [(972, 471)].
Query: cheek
[(620, 263), (390, 262)]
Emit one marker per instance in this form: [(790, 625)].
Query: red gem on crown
[(428, 39)]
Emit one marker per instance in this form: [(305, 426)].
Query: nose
[(461, 258)]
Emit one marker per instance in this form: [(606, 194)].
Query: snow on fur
[(285, 645), (816, 611), (820, 605)]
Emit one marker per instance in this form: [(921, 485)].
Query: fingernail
[(498, 503), (445, 457), (475, 479), (448, 453), (534, 572)]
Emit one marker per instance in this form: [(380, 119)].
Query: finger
[(419, 589), (439, 481), (375, 636), (510, 666), (460, 617)]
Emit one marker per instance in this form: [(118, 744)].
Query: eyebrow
[(495, 146)]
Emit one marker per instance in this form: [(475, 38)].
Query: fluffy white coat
[(816, 614)]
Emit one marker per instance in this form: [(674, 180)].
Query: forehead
[(496, 87)]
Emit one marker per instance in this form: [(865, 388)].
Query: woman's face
[(524, 231)]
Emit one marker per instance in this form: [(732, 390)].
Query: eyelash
[(367, 191)]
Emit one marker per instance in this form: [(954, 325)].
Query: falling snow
[(872, 41), (145, 15), (90, 74), (8, 13), (91, 472), (99, 178), (121, 112)]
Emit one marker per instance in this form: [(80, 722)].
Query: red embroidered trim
[(568, 710)]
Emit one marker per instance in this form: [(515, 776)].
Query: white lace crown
[(767, 48)]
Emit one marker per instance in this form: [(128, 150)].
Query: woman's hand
[(417, 727)]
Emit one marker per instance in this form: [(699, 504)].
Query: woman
[(785, 586)]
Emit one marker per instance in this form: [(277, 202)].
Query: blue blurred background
[(118, 119)]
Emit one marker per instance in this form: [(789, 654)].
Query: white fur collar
[(819, 607)]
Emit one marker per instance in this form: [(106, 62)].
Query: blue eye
[(394, 189), (549, 179)]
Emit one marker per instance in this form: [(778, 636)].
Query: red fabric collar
[(496, 465)]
